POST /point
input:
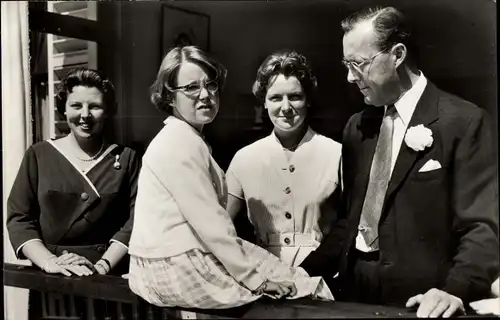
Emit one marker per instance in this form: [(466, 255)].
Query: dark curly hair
[(288, 63), (88, 78), (161, 91)]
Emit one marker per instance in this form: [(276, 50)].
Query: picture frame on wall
[(181, 27)]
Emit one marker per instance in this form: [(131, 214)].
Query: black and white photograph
[(250, 159)]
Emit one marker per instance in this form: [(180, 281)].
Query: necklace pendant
[(117, 164)]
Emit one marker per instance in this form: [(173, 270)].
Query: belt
[(290, 239)]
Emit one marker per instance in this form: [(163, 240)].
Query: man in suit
[(419, 173)]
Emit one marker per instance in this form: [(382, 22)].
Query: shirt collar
[(182, 124), (309, 133), (408, 102)]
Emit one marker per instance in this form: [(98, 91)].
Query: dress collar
[(307, 136)]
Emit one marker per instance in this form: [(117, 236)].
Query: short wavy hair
[(161, 92), (288, 63), (88, 78)]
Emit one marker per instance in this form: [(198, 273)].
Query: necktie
[(380, 174)]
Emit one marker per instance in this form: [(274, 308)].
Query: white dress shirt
[(288, 199), (405, 108)]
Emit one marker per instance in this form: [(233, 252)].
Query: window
[(58, 34)]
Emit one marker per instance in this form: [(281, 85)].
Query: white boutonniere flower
[(419, 137)]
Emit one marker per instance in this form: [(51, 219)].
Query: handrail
[(115, 288), (95, 286)]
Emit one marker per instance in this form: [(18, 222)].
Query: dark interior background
[(457, 40)]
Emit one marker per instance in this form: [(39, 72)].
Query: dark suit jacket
[(438, 228), (51, 201)]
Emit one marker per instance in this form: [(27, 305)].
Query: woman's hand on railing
[(279, 290), (70, 258), (103, 266), (52, 266), (487, 306)]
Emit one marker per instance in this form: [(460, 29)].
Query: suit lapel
[(426, 112)]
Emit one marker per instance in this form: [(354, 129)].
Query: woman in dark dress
[(70, 208)]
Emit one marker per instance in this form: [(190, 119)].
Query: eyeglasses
[(357, 66), (194, 88)]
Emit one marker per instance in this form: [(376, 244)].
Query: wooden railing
[(114, 292)]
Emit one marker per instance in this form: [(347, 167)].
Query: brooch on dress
[(117, 164)]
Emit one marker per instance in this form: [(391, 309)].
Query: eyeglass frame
[(202, 84), (353, 65)]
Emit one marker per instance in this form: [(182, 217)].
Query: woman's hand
[(102, 266), (70, 258), (487, 306), (279, 290), (51, 266)]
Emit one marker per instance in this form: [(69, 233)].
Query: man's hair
[(390, 26)]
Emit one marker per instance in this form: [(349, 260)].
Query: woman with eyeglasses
[(289, 180), (184, 248)]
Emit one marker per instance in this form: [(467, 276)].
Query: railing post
[(164, 314), (44, 303), (52, 303), (149, 312), (119, 311), (59, 299), (135, 311), (90, 309), (72, 305)]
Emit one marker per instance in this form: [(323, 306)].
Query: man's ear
[(399, 52)]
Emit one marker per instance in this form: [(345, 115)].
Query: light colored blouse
[(289, 202), (181, 201)]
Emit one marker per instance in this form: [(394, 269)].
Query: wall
[(457, 47)]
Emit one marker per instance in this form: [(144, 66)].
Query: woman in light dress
[(289, 181)]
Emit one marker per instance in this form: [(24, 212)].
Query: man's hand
[(435, 303)]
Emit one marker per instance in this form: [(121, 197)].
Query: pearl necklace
[(93, 157)]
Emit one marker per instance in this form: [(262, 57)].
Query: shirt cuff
[(19, 253), (113, 240), (253, 281)]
